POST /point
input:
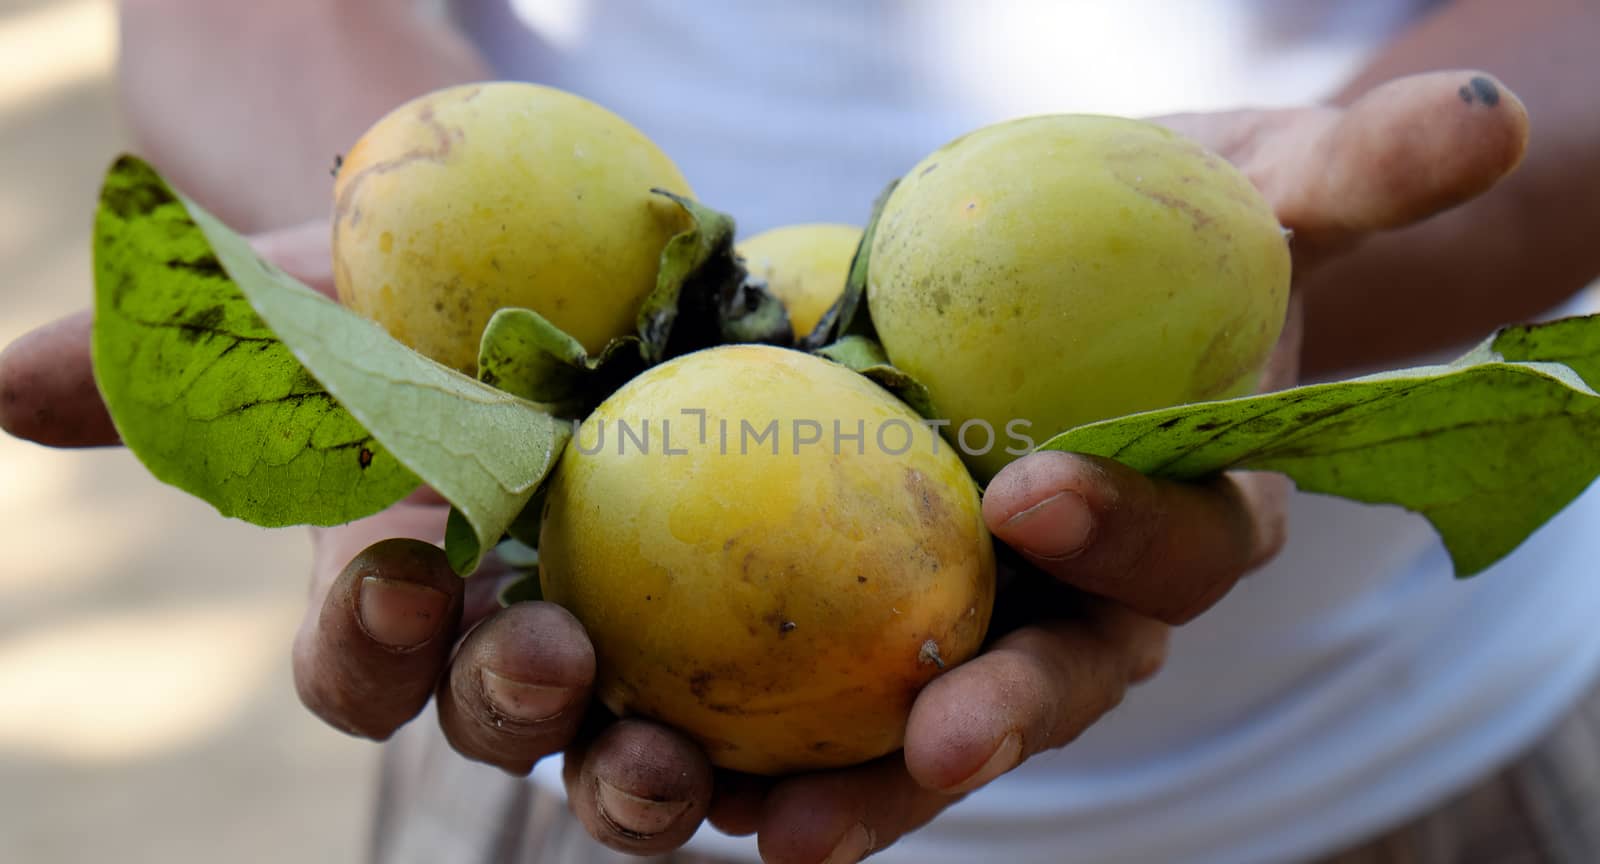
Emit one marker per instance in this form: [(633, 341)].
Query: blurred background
[(121, 739)]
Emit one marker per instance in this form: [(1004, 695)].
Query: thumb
[(47, 388), (1404, 151)]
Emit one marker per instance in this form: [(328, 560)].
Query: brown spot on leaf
[(135, 199), (202, 323), (206, 265)]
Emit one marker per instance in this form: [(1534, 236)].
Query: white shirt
[(1341, 689)]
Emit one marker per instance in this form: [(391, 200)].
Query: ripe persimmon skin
[(1065, 269), (781, 609), (804, 265), (478, 197)]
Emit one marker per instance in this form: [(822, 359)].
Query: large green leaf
[(1487, 450), (199, 387), (483, 449)]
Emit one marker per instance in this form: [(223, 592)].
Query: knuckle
[(482, 731)]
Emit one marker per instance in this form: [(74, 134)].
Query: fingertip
[(642, 789), (369, 658), (14, 418), (1499, 120), (517, 687), (48, 393), (959, 736), (1410, 148), (846, 814), (1031, 480), (806, 819)]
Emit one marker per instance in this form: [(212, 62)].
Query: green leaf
[(518, 554), (1487, 450), (748, 311), (1569, 341), (199, 387), (524, 590), (703, 296), (462, 546), (483, 449), (848, 316), (526, 355), (525, 528), (685, 255), (523, 585), (866, 356)]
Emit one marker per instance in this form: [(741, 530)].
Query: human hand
[(1119, 556), (389, 625)]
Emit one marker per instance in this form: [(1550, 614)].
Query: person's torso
[(1348, 680)]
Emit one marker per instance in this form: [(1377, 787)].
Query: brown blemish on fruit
[(1197, 217), (1221, 365), (700, 684), (716, 745), (444, 142), (932, 509)]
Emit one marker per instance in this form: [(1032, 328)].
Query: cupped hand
[(389, 625), (1116, 557)]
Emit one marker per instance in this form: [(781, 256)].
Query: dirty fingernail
[(1057, 527), (852, 847), (400, 614), (523, 701), (632, 815), (1004, 758)]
